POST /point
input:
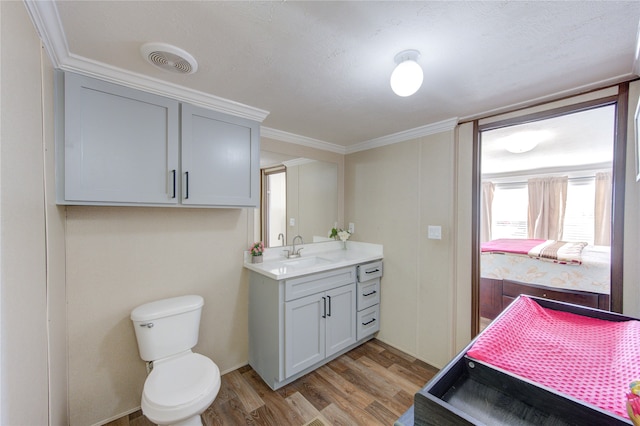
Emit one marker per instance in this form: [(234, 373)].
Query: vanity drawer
[(368, 293), (369, 271), (368, 322), (307, 285)]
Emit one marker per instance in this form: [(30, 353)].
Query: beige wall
[(23, 273), (392, 194), (121, 257), (56, 264)]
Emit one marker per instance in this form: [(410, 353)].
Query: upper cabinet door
[(220, 159), (120, 145)]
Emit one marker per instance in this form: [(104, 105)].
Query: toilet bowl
[(182, 384), (178, 387)]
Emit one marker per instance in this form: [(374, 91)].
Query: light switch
[(435, 232)]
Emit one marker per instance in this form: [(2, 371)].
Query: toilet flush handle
[(148, 325)]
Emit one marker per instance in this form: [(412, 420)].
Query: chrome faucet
[(294, 252), (281, 237)]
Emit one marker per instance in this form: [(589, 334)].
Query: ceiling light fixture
[(407, 77), (525, 141)]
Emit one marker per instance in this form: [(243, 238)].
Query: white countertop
[(330, 255)]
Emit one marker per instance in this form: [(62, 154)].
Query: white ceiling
[(575, 143), (321, 69)]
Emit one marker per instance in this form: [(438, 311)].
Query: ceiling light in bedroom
[(521, 142), (407, 77)]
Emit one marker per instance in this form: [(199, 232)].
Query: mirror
[(300, 198)]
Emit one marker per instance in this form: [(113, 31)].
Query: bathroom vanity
[(306, 311)]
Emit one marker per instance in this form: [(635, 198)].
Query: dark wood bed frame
[(496, 295)]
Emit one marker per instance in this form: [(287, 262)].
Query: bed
[(539, 362), (509, 267)]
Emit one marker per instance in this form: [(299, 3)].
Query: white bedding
[(592, 275)]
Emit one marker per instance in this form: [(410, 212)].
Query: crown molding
[(429, 129), (46, 19), (283, 136), (298, 162), (112, 74)]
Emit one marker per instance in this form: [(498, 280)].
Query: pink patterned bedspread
[(589, 359), (506, 245)]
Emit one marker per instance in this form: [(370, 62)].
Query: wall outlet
[(434, 232), (352, 228), (292, 221)]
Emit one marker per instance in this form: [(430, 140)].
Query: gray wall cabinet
[(120, 146)]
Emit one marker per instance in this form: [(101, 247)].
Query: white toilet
[(182, 384)]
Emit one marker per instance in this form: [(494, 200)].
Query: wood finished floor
[(371, 385)]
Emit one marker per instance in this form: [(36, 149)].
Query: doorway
[(511, 220), (274, 206)]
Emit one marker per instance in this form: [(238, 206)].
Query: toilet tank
[(167, 327)]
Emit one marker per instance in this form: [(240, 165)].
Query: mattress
[(586, 358), (594, 274)]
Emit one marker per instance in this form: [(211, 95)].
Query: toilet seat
[(180, 387)]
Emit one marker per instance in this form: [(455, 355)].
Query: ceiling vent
[(169, 58)]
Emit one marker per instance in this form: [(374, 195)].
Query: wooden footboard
[(496, 295)]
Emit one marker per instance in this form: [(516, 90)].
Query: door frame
[(621, 101)]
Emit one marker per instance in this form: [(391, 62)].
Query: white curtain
[(488, 189), (547, 204), (602, 213)]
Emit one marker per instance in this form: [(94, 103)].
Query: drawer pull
[(369, 294), (369, 322), (372, 271)]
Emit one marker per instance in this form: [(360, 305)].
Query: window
[(509, 211), (579, 213)]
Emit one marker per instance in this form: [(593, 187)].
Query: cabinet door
[(304, 333), (120, 145), (220, 159), (341, 318)]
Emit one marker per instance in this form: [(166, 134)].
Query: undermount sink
[(306, 262)]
